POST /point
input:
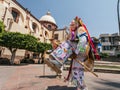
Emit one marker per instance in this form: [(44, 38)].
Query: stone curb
[(103, 70)]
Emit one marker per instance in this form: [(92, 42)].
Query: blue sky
[(100, 16)]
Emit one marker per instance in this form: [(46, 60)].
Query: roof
[(48, 18)]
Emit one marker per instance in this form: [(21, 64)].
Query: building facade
[(16, 18), (110, 43)]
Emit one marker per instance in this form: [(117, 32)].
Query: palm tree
[(118, 15)]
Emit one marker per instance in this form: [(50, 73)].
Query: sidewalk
[(31, 77)]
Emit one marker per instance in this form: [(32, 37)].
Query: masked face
[(73, 26)]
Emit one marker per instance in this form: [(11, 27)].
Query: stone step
[(104, 70)]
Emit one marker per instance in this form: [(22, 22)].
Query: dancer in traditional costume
[(79, 41)]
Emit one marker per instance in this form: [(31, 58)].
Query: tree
[(15, 40)]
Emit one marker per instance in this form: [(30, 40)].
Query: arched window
[(46, 34), (34, 26), (15, 15)]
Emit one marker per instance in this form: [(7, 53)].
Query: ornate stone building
[(19, 19)]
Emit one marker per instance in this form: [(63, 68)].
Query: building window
[(46, 33), (15, 15), (104, 39), (106, 47), (49, 27), (56, 36), (34, 26)]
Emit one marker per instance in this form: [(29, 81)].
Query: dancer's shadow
[(60, 88), (57, 87)]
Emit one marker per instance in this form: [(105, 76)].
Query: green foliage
[(18, 41), (2, 27), (104, 55), (48, 46), (29, 61), (30, 42), (118, 55), (22, 41), (11, 40), (41, 47)]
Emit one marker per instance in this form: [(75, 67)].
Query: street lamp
[(118, 15)]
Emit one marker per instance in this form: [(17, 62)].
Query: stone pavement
[(32, 77)]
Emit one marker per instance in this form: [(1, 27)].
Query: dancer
[(78, 39)]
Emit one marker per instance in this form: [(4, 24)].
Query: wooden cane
[(86, 67)]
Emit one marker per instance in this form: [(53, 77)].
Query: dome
[(48, 18)]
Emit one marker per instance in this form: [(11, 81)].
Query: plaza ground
[(40, 77)]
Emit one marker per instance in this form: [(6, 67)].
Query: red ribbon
[(91, 43)]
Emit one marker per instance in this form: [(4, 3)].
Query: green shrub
[(29, 61), (118, 55), (104, 55)]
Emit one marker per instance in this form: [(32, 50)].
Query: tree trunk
[(13, 52), (39, 58), (1, 50)]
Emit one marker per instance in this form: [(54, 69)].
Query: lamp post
[(118, 15)]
